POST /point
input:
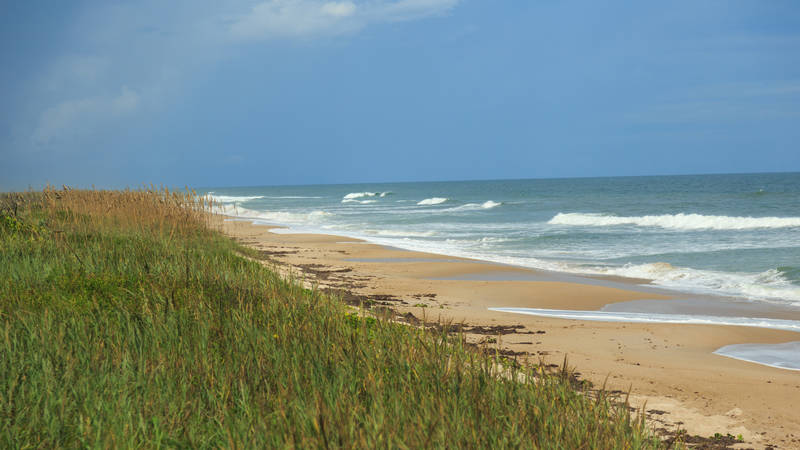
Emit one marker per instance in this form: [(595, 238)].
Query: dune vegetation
[(127, 320)]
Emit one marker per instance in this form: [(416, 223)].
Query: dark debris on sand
[(321, 271), (717, 442)]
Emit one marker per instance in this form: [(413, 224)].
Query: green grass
[(126, 321)]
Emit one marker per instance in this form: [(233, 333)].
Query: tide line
[(780, 356)]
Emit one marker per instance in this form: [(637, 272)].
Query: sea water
[(734, 235)]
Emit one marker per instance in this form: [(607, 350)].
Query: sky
[(204, 93)]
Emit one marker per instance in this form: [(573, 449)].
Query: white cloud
[(75, 117), (412, 9), (310, 18), (342, 9), (296, 18)]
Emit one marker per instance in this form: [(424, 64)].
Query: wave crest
[(676, 221)]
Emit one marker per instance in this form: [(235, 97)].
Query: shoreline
[(711, 304), (671, 365), (561, 269)]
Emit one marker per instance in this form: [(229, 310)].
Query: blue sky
[(208, 93)]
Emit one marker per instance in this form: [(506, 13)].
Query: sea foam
[(676, 221)]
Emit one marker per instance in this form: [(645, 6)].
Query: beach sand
[(668, 369)]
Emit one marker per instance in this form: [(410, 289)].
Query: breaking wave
[(354, 195), (768, 285), (277, 217), (432, 201), (233, 198), (676, 221)]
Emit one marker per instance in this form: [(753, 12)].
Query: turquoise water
[(734, 235)]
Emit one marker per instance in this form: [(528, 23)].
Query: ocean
[(734, 235)]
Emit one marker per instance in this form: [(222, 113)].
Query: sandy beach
[(668, 369)]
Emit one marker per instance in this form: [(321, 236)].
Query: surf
[(680, 221)]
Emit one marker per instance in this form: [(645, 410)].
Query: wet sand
[(669, 367)]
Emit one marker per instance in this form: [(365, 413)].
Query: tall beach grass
[(127, 321)]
